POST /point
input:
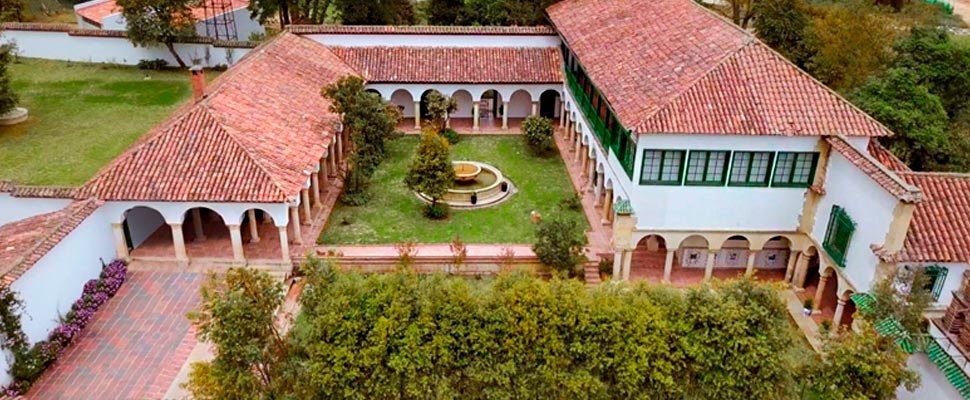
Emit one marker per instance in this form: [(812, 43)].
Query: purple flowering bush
[(30, 363)]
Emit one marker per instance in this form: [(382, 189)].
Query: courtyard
[(393, 214), (81, 117)]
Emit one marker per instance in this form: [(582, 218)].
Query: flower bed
[(30, 363)]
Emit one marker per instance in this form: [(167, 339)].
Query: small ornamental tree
[(903, 297), (559, 244), (159, 22), (538, 132), (439, 108), (8, 99), (431, 172), (860, 365)]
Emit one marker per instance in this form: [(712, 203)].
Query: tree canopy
[(159, 22), (431, 171), (8, 98)]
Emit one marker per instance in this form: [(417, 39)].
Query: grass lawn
[(394, 213), (81, 117)]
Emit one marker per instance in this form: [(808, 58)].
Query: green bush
[(538, 132), (606, 266), (572, 203), (157, 64), (451, 135), (8, 99), (559, 244), (356, 188), (437, 211)]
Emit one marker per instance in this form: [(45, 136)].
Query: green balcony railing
[(618, 143)]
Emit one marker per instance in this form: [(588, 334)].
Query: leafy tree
[(913, 113), (159, 22), (860, 365), (741, 12), (375, 12), (290, 11), (431, 172), (237, 315), (444, 12), (849, 42), (559, 244), (781, 24), (12, 10), (486, 12), (439, 107), (904, 297), (8, 99), (940, 65), (537, 132)]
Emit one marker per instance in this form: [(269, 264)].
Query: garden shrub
[(606, 266), (30, 363), (437, 211), (559, 244), (572, 203), (356, 188), (451, 135), (538, 132), (157, 64), (8, 99)]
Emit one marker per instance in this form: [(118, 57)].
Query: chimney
[(198, 82)]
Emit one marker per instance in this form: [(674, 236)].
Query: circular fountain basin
[(479, 180)]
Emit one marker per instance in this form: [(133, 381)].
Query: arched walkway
[(647, 260), (549, 104), (732, 260), (491, 109), (465, 104), (690, 261), (146, 234), (520, 105), (260, 236), (206, 234), (404, 102)]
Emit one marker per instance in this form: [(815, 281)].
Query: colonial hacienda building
[(707, 154)]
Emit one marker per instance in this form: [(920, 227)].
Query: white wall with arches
[(520, 96), (436, 40), (174, 212)]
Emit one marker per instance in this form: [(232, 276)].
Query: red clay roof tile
[(886, 157), (421, 30), (454, 65), (879, 173), (254, 137), (940, 229), (675, 67)]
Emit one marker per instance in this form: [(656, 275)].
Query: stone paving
[(134, 346), (600, 235)]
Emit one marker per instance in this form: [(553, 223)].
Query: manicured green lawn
[(394, 213), (81, 117)]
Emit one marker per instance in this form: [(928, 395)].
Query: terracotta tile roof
[(6, 186), (879, 173), (454, 65), (675, 67), (255, 137), (886, 157), (44, 192), (26, 241), (422, 30), (95, 13), (940, 230)]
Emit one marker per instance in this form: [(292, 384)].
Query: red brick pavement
[(134, 346)]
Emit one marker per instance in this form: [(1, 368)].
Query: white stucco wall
[(244, 25), (869, 206), (520, 96), (55, 282), (142, 223), (18, 208), (414, 40), (174, 212), (112, 50), (954, 276), (728, 208), (114, 22)]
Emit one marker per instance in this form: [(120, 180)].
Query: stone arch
[(848, 309), (549, 102), (600, 168), (491, 104), (608, 184), (465, 102), (736, 242), (260, 235), (206, 233), (404, 101), (424, 103), (141, 224), (520, 104), (648, 257)]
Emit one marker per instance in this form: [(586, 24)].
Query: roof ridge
[(937, 173), (892, 174)]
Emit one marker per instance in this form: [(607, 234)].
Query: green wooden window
[(838, 235), (708, 168), (662, 167), (794, 169), (937, 277), (751, 168)]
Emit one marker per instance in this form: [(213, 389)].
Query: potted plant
[(807, 307)]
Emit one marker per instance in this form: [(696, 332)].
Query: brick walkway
[(600, 236), (133, 347)]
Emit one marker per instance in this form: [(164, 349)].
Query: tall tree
[(8, 98), (375, 12), (159, 22), (939, 64), (850, 41), (913, 113), (439, 107), (860, 366), (431, 171), (444, 12), (237, 315), (781, 24)]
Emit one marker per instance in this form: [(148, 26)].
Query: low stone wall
[(67, 43)]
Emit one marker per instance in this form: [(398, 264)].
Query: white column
[(837, 318), (792, 259), (295, 223), (417, 115), (752, 255), (801, 270), (562, 114), (627, 261), (669, 265), (323, 172), (617, 264), (579, 148), (709, 269), (284, 244), (608, 207), (197, 225), (822, 281), (505, 115), (179, 241), (253, 227), (333, 159), (599, 190), (340, 149), (535, 108), (305, 199), (476, 116), (315, 189), (121, 246), (235, 235)]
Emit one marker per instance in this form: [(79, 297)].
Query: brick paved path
[(133, 347)]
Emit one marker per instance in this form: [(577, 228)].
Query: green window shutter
[(838, 235), (794, 169), (662, 167), (937, 277)]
